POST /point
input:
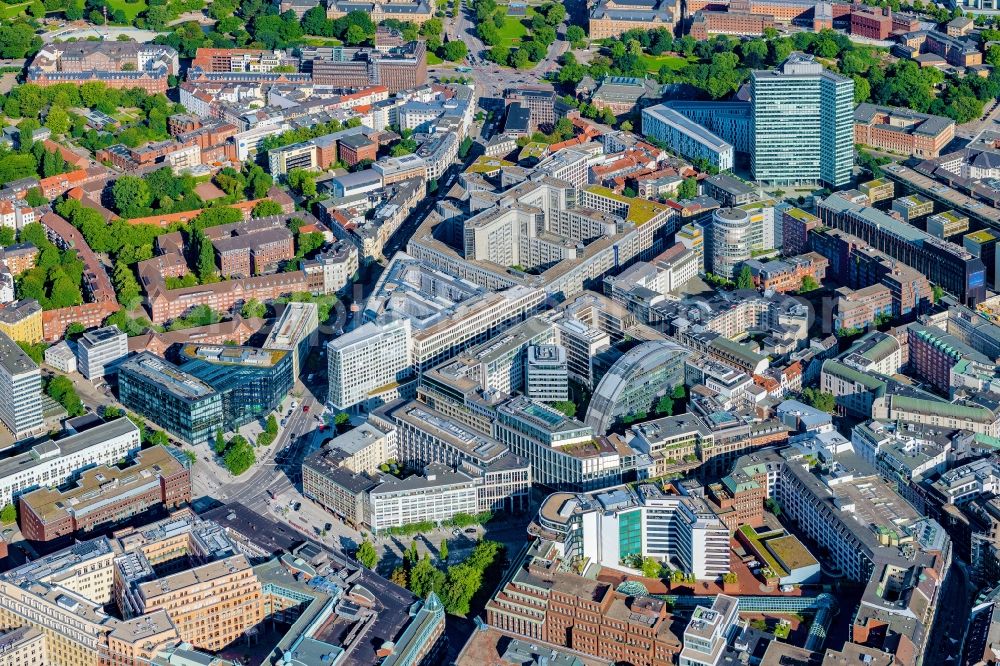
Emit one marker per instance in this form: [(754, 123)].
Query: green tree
[(253, 309), (820, 399), (745, 279), (426, 578), (665, 405), (688, 189), (366, 555), (808, 284), (35, 198), (8, 514), (651, 567), (455, 51), (443, 551), (239, 456), (271, 425), (937, 293), (567, 407), (220, 443), (576, 36), (57, 120), (266, 208), (131, 196)]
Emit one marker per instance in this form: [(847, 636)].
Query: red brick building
[(257, 253), (106, 496), (357, 148), (586, 615)]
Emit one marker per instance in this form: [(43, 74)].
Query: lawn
[(323, 41), (433, 59), (655, 63), (131, 9), (513, 30), (10, 11)]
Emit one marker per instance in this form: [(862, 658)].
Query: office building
[(331, 482), (251, 382), (546, 374), (435, 495), (562, 451), (20, 390), (100, 351), (332, 269), (24, 646), (544, 600), (295, 332), (633, 385), (902, 131), (53, 462), (424, 435), (692, 236), (947, 224), (607, 527), (180, 403), (983, 244), (708, 632), (610, 18), (368, 365), (61, 357), (686, 137), (913, 207), (802, 124), (946, 264), (730, 241), (107, 496)]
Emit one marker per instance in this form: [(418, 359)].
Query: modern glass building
[(251, 381), (803, 131), (635, 383), (180, 403)]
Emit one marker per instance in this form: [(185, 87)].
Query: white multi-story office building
[(51, 463), (295, 332), (20, 390), (686, 137), (609, 526), (99, 351), (369, 364), (435, 496), (562, 451), (61, 357), (708, 632), (546, 374)]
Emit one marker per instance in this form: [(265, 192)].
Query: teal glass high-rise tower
[(803, 129)]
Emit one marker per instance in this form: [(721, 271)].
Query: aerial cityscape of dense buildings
[(489, 333)]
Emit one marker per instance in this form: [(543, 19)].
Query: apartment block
[(21, 321), (686, 137)]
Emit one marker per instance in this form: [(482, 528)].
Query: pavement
[(107, 34)]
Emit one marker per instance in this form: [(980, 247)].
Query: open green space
[(656, 63), (10, 11), (324, 41), (131, 9), (433, 59)]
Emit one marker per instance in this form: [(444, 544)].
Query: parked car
[(470, 530), (328, 527)]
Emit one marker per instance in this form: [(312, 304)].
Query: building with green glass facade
[(803, 131), (251, 381), (216, 387), (180, 403)]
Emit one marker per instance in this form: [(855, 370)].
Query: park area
[(655, 63)]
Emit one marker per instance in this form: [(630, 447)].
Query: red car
[(305, 408)]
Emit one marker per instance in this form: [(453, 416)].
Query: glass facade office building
[(180, 403), (251, 381), (803, 124)]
